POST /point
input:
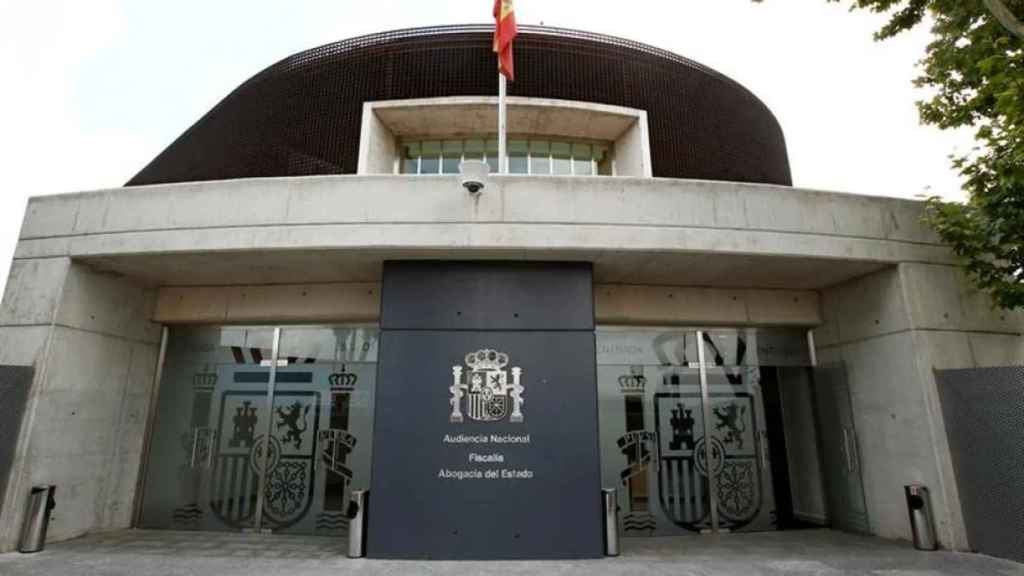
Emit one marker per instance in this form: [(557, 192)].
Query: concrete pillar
[(891, 329), (94, 348)]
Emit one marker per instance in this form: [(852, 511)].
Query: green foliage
[(974, 66)]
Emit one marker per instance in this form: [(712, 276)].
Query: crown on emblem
[(486, 359), (204, 381), (634, 382), (342, 380)]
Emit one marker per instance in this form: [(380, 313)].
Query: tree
[(1005, 16), (974, 66)]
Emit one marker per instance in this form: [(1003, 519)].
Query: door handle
[(842, 450), (320, 440), (195, 445), (847, 453), (764, 450), (852, 450)]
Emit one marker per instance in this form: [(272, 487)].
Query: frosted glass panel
[(201, 472), (658, 449), (217, 434), (651, 426), (339, 397)]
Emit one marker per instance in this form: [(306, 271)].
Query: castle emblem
[(485, 392), (245, 419)]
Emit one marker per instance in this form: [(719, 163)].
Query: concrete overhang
[(323, 266), (462, 115), (340, 229)]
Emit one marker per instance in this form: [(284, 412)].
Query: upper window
[(525, 156)]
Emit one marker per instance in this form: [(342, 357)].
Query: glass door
[(651, 410), (261, 429), (840, 456), (236, 442), (683, 426), (682, 484), (206, 450), (737, 430), (321, 425)]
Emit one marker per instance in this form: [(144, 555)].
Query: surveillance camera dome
[(474, 175)]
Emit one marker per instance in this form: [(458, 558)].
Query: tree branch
[(1005, 17)]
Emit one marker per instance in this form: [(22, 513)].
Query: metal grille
[(984, 413), (15, 382), (302, 116)]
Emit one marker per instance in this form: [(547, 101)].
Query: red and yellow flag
[(504, 32)]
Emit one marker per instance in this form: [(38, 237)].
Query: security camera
[(474, 175)]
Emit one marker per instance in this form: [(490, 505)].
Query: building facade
[(298, 299)]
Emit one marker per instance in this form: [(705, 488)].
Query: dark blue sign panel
[(486, 440)]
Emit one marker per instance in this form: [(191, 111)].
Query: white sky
[(91, 90)]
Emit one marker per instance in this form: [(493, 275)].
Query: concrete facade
[(96, 273), (635, 230)]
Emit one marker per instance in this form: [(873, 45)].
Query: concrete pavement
[(818, 552)]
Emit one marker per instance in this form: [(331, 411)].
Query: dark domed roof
[(302, 116)]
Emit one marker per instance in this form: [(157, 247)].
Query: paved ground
[(818, 552)]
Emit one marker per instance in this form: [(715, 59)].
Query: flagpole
[(502, 124)]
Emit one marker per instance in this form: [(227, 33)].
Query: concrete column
[(891, 329), (94, 348), (633, 150)]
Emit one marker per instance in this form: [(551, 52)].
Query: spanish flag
[(504, 32)]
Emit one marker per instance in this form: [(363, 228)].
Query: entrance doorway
[(264, 429), (840, 454), (694, 427)]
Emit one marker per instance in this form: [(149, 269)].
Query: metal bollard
[(37, 519), (611, 521), (357, 524), (919, 507)]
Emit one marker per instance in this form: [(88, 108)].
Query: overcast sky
[(94, 89)]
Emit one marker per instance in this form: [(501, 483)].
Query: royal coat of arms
[(688, 457), (238, 459), (484, 392)]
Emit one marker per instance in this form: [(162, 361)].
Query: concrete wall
[(378, 147), (360, 302), (95, 350), (891, 329), (666, 305), (633, 150), (333, 302)]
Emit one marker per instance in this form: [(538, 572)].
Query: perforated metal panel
[(984, 413), (15, 382), (302, 116)]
